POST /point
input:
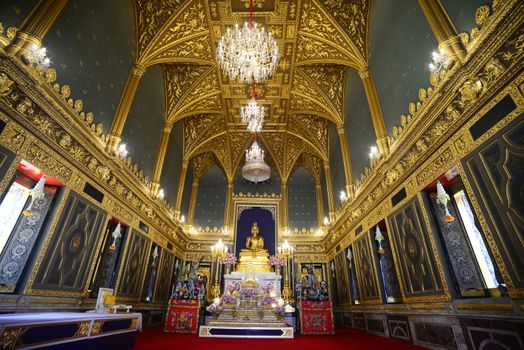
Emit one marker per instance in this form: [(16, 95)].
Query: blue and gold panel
[(20, 244), (418, 272), (151, 272), (365, 268), (6, 158), (342, 280), (496, 174), (163, 286), (134, 265), (67, 260)]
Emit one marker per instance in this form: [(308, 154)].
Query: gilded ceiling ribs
[(300, 100)]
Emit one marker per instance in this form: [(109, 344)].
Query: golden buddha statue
[(254, 257)]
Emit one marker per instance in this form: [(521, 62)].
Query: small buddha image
[(254, 241)]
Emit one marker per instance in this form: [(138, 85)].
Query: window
[(470, 263), (18, 232), (476, 240)]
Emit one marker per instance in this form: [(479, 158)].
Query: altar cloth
[(316, 317), (182, 316), (68, 330)]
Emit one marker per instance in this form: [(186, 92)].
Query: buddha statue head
[(254, 229)]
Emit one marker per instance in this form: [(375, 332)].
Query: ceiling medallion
[(248, 53), (255, 170)]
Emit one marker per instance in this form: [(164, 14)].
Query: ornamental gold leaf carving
[(196, 50), (178, 80), (294, 147), (312, 164), (274, 143), (151, 17), (312, 50), (329, 79), (188, 22), (351, 17), (194, 127), (239, 141), (312, 128), (202, 162)]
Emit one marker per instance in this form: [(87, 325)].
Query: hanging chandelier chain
[(251, 13)]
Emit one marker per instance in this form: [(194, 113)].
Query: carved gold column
[(180, 191), (329, 190), (160, 157), (192, 203), (285, 205), (347, 161), (443, 28), (123, 107), (35, 26), (320, 205), (376, 111), (229, 200)]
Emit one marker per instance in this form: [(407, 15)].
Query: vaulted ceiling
[(317, 40)]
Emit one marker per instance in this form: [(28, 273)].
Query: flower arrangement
[(275, 260), (248, 293), (279, 309), (228, 299), (228, 259), (268, 300), (232, 288), (214, 309)]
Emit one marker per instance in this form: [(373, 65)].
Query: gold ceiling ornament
[(248, 53), (169, 36), (202, 163), (256, 3)]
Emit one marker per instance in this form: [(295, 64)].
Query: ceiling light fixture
[(248, 53), (38, 57), (252, 115), (440, 62), (373, 152), (255, 170)]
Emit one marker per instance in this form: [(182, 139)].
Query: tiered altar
[(250, 305)]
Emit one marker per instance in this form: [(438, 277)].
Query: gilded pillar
[(329, 190), (180, 191), (229, 201), (160, 157), (376, 111), (123, 107), (347, 161), (285, 205), (320, 205), (35, 26), (192, 202), (443, 28)]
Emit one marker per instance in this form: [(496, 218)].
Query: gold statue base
[(253, 261)]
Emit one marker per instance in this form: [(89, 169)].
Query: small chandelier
[(248, 53), (255, 170), (252, 114)]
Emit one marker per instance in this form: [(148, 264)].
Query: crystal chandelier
[(252, 115), (248, 53), (255, 170)]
